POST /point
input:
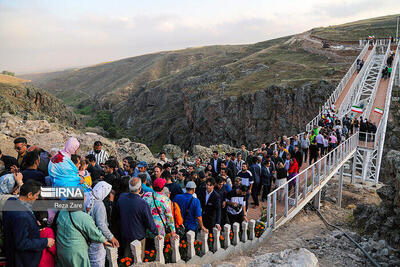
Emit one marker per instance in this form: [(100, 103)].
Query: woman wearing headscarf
[(75, 231), (62, 170), (96, 209), (160, 206)]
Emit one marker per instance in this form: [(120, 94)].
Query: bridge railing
[(382, 122), (334, 96), (378, 81), (376, 41), (367, 140), (381, 130), (286, 200), (347, 103)]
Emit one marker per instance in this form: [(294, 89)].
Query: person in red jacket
[(49, 253), (293, 171)]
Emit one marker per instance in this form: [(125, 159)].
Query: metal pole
[(397, 29), (340, 187), (317, 200), (353, 169)]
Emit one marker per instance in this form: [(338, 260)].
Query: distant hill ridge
[(194, 95)]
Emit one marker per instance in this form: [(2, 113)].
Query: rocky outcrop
[(182, 117), (201, 152), (383, 221), (223, 149), (30, 103), (205, 152), (140, 152), (49, 135), (172, 151), (289, 257), (344, 251)]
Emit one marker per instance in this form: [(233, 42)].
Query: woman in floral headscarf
[(62, 170), (95, 207)]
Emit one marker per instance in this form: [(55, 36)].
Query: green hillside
[(381, 27)]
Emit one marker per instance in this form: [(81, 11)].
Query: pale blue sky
[(43, 35)]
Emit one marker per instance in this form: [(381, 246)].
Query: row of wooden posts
[(136, 246)]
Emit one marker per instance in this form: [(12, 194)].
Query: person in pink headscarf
[(62, 170)]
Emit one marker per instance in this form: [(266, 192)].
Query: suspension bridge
[(360, 155)]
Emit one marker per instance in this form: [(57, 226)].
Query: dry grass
[(11, 79), (381, 27)]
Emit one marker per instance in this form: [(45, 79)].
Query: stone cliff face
[(35, 104), (190, 117), (383, 221)]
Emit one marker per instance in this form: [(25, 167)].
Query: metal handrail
[(389, 93), (378, 80), (330, 160), (382, 129), (349, 98), (334, 96)]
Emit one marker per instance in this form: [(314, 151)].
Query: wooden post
[(136, 249)]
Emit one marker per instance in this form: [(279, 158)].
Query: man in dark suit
[(215, 162), (230, 164), (255, 170), (24, 246), (266, 179), (211, 205)]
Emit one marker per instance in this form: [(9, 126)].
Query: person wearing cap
[(142, 166), (160, 206), (190, 209)]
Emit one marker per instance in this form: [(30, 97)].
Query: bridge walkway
[(350, 83)]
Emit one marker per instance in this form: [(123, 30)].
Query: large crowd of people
[(136, 201)]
